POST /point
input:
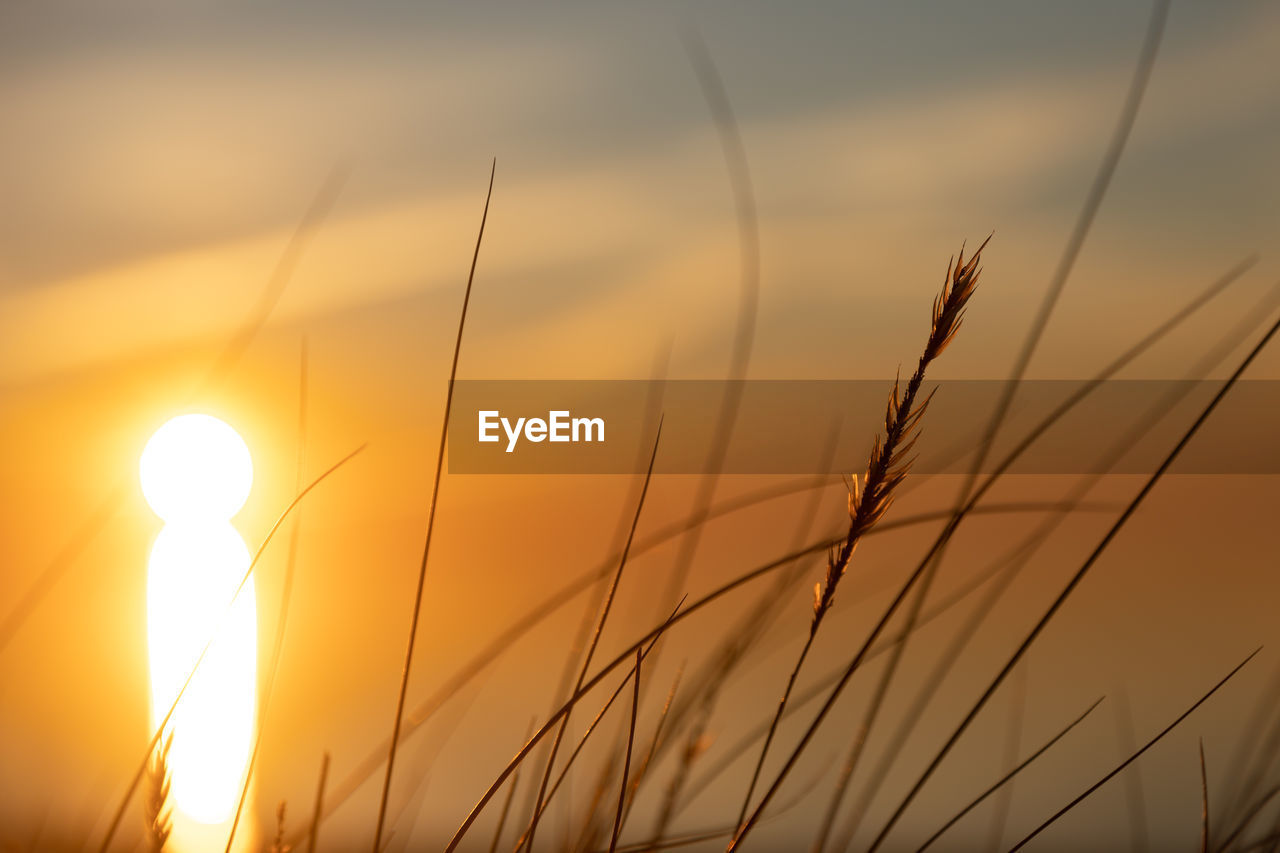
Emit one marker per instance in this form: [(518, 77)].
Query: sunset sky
[(158, 158)]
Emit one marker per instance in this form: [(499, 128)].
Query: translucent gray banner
[(785, 426)]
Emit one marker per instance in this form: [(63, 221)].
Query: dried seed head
[(159, 816), (279, 845), (948, 308), (891, 458)]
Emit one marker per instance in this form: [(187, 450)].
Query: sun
[(196, 468), (196, 473)]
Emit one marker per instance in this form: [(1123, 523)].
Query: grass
[(662, 763), (529, 835), (886, 471), (632, 767), (687, 712)]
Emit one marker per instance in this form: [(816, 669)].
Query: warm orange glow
[(196, 474)]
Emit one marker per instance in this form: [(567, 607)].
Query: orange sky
[(160, 159)]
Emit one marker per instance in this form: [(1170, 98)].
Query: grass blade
[(738, 170), (1135, 756), (626, 764), (1134, 789), (999, 783), (431, 518), (313, 833), (1204, 803), (506, 804), (1013, 743)]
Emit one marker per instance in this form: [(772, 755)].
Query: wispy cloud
[(154, 188)]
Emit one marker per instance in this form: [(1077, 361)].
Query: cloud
[(155, 190)]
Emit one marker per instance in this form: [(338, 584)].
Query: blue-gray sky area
[(157, 149)]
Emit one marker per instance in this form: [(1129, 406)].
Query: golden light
[(196, 474), (196, 468)]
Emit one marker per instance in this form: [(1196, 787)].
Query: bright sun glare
[(196, 474), (196, 468)]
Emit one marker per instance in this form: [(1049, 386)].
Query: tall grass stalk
[(886, 470), (431, 520)]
